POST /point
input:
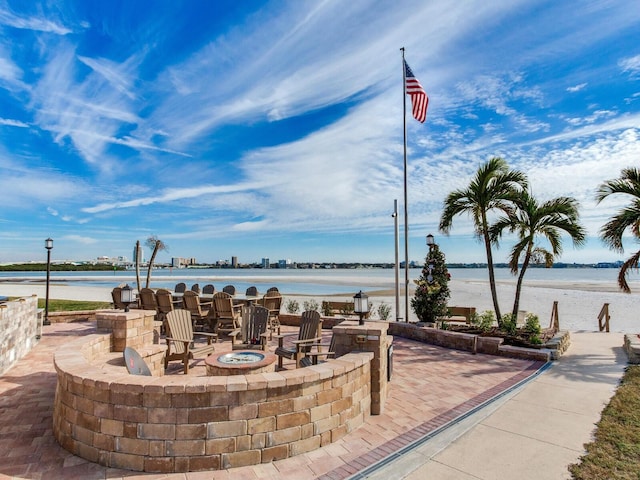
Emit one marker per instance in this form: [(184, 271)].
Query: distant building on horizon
[(285, 263), (234, 262), (265, 263), (180, 262)]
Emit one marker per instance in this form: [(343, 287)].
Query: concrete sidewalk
[(533, 432)]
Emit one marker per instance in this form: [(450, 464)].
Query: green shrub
[(532, 325), (483, 321), (384, 311), (508, 324), (310, 305), (348, 309), (292, 306), (326, 309)]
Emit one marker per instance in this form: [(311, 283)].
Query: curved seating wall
[(186, 423)]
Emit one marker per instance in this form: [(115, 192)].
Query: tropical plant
[(310, 305), (509, 324), (483, 321), (432, 288), (628, 218), (530, 220), (156, 245), (292, 306), (384, 311), (493, 187)]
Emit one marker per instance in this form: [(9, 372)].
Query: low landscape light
[(361, 305), (126, 296)]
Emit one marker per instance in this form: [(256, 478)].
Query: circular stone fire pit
[(241, 362)]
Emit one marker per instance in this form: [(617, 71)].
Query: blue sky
[(274, 129)]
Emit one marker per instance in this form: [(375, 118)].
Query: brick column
[(128, 329), (370, 337)]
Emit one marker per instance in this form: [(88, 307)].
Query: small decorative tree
[(432, 288)]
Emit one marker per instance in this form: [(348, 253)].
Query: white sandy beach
[(578, 303)]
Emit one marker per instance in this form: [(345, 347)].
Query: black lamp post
[(126, 296), (361, 305), (48, 244)]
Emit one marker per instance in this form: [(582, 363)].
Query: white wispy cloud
[(32, 23), (13, 123), (80, 239), (631, 64), (171, 195), (576, 88)]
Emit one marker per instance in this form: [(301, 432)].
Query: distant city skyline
[(274, 129)]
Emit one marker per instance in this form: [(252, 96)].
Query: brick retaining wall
[(475, 343), (181, 423), (19, 330)]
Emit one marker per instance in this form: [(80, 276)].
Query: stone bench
[(344, 308)]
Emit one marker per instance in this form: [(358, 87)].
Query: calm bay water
[(293, 281)]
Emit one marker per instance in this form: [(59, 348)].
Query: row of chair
[(211, 289), (181, 343)]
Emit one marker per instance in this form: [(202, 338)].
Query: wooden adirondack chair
[(311, 357), (165, 303), (230, 289), (117, 299), (209, 288), (148, 299), (191, 302), (308, 334), (251, 292), (272, 301), (180, 336), (227, 314), (253, 331)]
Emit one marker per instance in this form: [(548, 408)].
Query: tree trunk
[(137, 259), (525, 264), (492, 277), (151, 260)]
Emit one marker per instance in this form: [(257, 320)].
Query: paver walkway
[(430, 387)]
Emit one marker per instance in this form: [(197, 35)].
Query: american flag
[(419, 98)]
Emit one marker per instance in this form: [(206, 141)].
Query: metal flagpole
[(406, 209), (397, 264)]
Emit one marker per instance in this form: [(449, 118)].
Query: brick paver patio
[(431, 386)]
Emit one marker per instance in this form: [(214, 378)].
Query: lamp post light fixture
[(48, 244), (126, 296), (361, 305), (430, 241)]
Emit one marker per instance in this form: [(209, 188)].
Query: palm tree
[(156, 244), (493, 187), (531, 219), (629, 217)]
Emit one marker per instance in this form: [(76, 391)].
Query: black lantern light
[(126, 296), (361, 305), (430, 241)]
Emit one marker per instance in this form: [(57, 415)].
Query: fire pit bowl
[(241, 362)]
